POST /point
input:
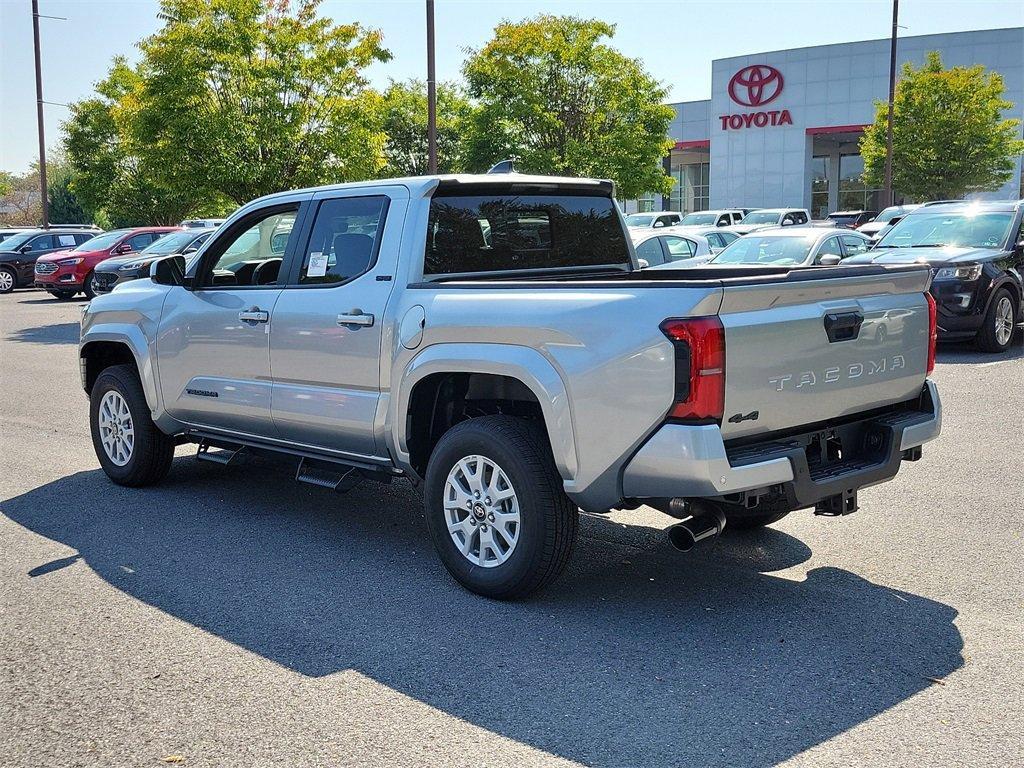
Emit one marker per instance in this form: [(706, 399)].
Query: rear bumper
[(681, 461)]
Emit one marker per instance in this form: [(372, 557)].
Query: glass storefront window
[(819, 187), (692, 189), (854, 194)]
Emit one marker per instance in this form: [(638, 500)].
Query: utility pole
[(431, 93), (39, 116), (888, 193)]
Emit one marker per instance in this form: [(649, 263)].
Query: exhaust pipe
[(703, 525)]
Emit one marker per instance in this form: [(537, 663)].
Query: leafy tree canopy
[(404, 121), (949, 135), (554, 96), (249, 97)]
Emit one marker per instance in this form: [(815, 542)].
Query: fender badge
[(737, 418)]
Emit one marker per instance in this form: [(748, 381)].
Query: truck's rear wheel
[(495, 508), (130, 447)]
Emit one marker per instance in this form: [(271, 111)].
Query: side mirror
[(1020, 245), (787, 222), (658, 224), (123, 248), (25, 249), (643, 263), (829, 260), (168, 271)]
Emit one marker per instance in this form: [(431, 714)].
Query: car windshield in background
[(963, 229), (695, 219), (887, 214), (778, 251), (16, 241), (172, 243), (761, 217), (639, 220), (510, 232), (101, 242)]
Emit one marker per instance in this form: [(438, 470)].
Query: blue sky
[(676, 40)]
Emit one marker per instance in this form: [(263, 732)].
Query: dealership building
[(782, 128)]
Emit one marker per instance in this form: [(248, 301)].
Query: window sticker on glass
[(317, 264), (66, 240)]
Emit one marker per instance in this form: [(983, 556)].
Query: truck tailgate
[(809, 351)]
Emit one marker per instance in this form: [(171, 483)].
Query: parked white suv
[(771, 217)]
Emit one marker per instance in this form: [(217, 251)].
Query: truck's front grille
[(46, 267)]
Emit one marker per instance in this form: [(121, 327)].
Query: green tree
[(65, 207), (404, 121), (111, 170), (249, 97), (556, 98), (6, 183), (949, 136)]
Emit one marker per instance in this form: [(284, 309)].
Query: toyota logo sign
[(755, 85)]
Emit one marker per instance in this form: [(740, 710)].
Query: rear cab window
[(499, 232)]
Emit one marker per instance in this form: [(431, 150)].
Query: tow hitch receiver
[(844, 503)]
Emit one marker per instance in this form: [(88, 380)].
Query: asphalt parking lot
[(231, 617)]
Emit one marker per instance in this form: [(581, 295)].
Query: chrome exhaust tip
[(704, 524)]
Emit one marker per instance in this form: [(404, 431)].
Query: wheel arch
[(488, 373), (101, 348)]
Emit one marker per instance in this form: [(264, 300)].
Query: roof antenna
[(505, 166)]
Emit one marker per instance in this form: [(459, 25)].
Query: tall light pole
[(39, 116), (431, 93), (888, 194)]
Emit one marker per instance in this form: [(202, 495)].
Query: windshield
[(172, 243), (766, 250), (639, 220), (964, 229), (16, 240), (761, 217), (888, 214), (102, 242), (692, 219)]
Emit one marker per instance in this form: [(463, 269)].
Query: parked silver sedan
[(659, 246), (793, 247)]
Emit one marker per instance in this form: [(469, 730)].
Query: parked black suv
[(976, 252), (18, 253)]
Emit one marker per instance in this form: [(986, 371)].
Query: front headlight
[(132, 265), (966, 272), (69, 262)]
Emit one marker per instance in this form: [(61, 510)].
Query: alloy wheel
[(1004, 321), (117, 431), (481, 511), (6, 281)]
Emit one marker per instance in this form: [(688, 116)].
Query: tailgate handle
[(843, 326)]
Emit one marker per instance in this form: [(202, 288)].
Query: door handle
[(356, 317), (254, 315)]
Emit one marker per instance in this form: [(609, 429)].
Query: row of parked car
[(68, 259), (976, 251)]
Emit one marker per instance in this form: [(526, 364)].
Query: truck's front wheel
[(501, 523), (130, 447)]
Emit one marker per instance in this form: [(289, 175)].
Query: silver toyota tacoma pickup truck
[(491, 339)]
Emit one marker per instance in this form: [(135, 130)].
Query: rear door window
[(650, 251), (854, 245), (344, 241), (472, 233), (678, 248)]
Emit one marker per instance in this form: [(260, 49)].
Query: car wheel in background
[(8, 280), (495, 508), (1000, 323), (89, 286), (62, 295), (130, 447)]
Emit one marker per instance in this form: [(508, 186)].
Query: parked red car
[(65, 273)]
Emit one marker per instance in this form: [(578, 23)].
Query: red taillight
[(933, 332), (700, 368)]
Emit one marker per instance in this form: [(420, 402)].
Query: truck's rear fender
[(516, 363)]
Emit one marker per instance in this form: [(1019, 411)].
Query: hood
[(872, 226), (58, 255), (120, 261), (746, 229), (941, 255)]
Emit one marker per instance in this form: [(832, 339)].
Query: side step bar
[(322, 471)]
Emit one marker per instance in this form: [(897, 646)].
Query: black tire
[(548, 519), (987, 339), (153, 451), (62, 295), (87, 288), (750, 522), (8, 280)]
